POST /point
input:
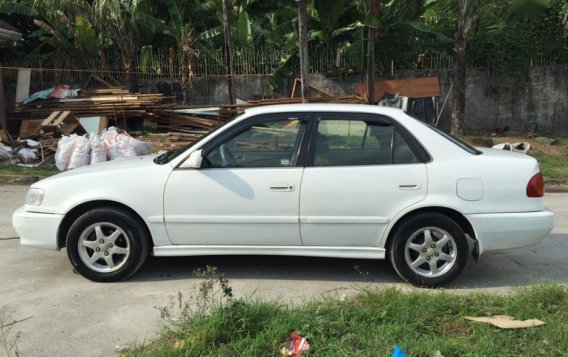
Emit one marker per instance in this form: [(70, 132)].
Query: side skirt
[(304, 251)]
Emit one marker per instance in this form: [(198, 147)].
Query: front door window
[(268, 144)]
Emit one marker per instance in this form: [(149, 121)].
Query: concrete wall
[(537, 101)]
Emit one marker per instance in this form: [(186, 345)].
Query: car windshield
[(172, 154)]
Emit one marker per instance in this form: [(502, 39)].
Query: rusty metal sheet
[(413, 88)]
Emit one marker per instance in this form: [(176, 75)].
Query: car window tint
[(358, 142), (402, 154), (268, 144)]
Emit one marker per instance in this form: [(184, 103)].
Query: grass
[(369, 324), (554, 168), (13, 170)]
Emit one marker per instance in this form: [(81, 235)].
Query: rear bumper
[(510, 230), (37, 229)]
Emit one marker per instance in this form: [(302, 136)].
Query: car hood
[(115, 165), (131, 182)]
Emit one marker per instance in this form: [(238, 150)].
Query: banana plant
[(64, 25), (126, 22)]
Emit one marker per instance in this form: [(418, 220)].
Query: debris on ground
[(506, 322), (397, 352), (294, 346), (522, 147)]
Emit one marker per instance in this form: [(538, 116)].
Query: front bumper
[(510, 230), (37, 229)]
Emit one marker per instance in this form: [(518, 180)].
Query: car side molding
[(304, 251)]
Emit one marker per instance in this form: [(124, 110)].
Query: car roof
[(323, 107)]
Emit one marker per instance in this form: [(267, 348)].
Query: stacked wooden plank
[(111, 102), (188, 123), (348, 99)]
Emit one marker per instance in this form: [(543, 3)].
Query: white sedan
[(322, 180)]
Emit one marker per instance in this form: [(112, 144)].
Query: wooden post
[(304, 60), (371, 37), (228, 52), (2, 101)]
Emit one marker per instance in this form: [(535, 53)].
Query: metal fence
[(161, 64)]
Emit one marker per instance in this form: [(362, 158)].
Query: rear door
[(361, 171)]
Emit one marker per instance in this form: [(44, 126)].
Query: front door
[(361, 172), (246, 193)]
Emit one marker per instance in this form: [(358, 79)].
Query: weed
[(421, 323), (212, 292), (8, 339)]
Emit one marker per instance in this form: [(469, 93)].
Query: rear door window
[(344, 142)]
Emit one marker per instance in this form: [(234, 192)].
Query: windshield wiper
[(165, 157)]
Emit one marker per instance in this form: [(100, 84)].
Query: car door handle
[(409, 186), (282, 187)]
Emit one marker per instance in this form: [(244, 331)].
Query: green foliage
[(506, 36), (554, 168), (372, 322)]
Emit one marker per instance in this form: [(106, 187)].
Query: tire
[(428, 250), (113, 235)]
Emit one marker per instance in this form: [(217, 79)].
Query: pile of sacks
[(74, 151)]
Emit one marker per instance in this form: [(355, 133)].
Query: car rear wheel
[(429, 250), (107, 244)]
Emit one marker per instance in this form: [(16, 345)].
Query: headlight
[(34, 196)]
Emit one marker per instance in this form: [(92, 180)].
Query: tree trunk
[(371, 37), (185, 76), (459, 82), (2, 101), (228, 51), (131, 79), (459, 71), (370, 65), (105, 72), (171, 61), (304, 60)]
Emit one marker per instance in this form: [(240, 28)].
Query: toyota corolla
[(320, 180)]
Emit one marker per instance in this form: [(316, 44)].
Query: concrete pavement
[(71, 316)]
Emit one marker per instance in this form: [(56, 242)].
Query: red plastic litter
[(294, 346)]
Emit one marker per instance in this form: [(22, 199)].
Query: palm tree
[(67, 26)]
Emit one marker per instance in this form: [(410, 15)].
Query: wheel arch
[(456, 216), (78, 210)]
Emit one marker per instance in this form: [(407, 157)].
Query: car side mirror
[(194, 160)]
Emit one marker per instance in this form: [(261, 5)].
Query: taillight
[(535, 187)]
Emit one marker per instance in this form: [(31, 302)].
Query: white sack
[(98, 151), (81, 153), (63, 153)]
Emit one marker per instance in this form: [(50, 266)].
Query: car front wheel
[(429, 250), (107, 244)]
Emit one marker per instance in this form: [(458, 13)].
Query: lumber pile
[(186, 124), (347, 99), (37, 144), (111, 102)]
